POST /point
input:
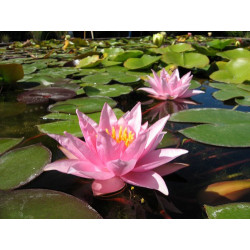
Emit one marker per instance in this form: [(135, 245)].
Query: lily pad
[(123, 56), (220, 43), (180, 47), (141, 63), (107, 90), (29, 69), (44, 95), (20, 166), (89, 62), (85, 105), (224, 127), (8, 143), (11, 72), (235, 71), (235, 53), (239, 210), (229, 91), (70, 123), (43, 204), (186, 59)]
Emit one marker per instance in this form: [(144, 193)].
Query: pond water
[(208, 164)]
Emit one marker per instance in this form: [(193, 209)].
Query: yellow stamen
[(123, 135)]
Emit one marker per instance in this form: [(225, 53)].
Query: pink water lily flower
[(116, 152), (170, 87)]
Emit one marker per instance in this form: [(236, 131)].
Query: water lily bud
[(209, 33), (163, 33), (158, 39), (67, 37), (189, 34), (237, 43)]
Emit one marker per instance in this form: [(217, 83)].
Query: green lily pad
[(235, 71), (112, 52), (239, 210), (70, 123), (194, 84), (220, 43), (229, 91), (29, 69), (224, 127), (180, 47), (186, 59), (8, 143), (205, 50), (107, 90), (43, 204), (89, 62), (20, 166), (85, 105), (107, 63), (11, 72), (141, 63), (104, 78), (235, 53), (123, 56)]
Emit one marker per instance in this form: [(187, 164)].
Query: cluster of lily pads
[(84, 75)]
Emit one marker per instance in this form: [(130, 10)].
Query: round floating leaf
[(99, 78), (168, 140), (220, 43), (186, 60), (235, 71), (85, 105), (29, 69), (43, 204), (194, 84), (107, 63), (8, 143), (180, 47), (11, 72), (89, 62), (44, 95), (22, 165), (205, 50), (107, 90), (112, 52), (235, 53), (239, 210), (70, 123), (229, 91), (227, 128), (123, 56), (141, 63)]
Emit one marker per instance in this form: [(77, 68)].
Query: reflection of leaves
[(219, 192)]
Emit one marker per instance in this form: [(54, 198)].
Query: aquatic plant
[(117, 151), (170, 86)]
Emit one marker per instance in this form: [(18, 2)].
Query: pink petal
[(186, 78), (147, 179), (85, 150), (169, 168), (107, 148), (67, 143), (136, 148), (190, 93), (119, 167), (158, 82), (64, 166), (89, 129), (158, 157), (134, 117), (101, 187), (107, 118), (154, 132), (150, 91), (67, 153)]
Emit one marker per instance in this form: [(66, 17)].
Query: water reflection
[(164, 108)]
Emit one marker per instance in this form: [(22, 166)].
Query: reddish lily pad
[(44, 95)]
